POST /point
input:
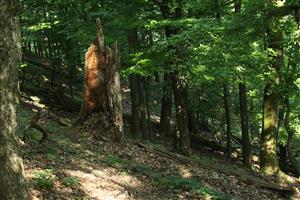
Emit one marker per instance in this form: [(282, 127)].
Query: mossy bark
[(12, 182), (268, 159)]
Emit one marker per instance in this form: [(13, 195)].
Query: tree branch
[(283, 10)]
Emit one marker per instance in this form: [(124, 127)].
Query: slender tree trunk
[(282, 147), (228, 123), (243, 109), (282, 157), (135, 110), (143, 108), (147, 83), (288, 129), (166, 106), (244, 125), (134, 84), (12, 182)]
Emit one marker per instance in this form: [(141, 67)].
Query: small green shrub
[(209, 193), (44, 179), (51, 157), (71, 181), (52, 126), (115, 160), (175, 182), (142, 168)]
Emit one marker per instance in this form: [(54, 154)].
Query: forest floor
[(73, 165)]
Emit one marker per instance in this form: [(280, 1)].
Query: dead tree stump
[(102, 88)]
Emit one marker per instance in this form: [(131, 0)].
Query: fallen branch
[(249, 179)]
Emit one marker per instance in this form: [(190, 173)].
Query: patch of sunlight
[(104, 183), (278, 3), (286, 178), (126, 90), (35, 98), (269, 170), (17, 166), (184, 171), (35, 101), (89, 153), (45, 79)]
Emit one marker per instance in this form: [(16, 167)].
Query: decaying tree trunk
[(12, 182), (102, 91)]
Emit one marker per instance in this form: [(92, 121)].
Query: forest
[(149, 99)]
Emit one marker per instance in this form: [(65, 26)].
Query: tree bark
[(143, 108), (102, 92), (166, 106), (268, 158), (228, 122), (147, 83), (244, 125), (174, 10), (243, 109), (12, 182), (182, 139), (288, 129), (135, 110)]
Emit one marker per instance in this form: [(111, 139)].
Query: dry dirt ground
[(73, 165)]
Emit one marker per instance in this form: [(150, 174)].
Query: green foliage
[(177, 182), (44, 179), (142, 168), (52, 126), (115, 160), (71, 181), (213, 45)]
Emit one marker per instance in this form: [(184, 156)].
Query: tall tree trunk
[(243, 109), (244, 125), (143, 108), (288, 129), (166, 106), (228, 121), (268, 158), (102, 86), (147, 84), (135, 110), (174, 11), (182, 139), (12, 182), (282, 147), (134, 84)]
